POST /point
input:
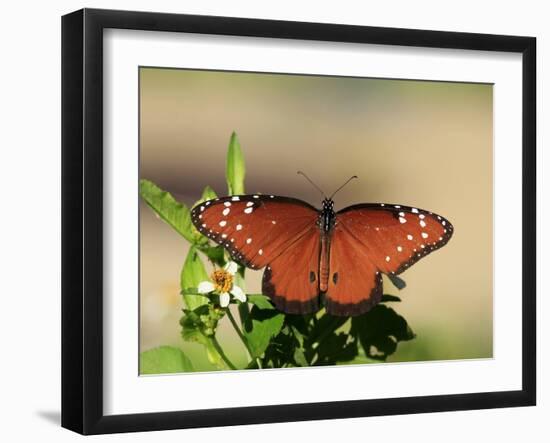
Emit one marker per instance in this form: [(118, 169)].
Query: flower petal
[(224, 300), (238, 293), (205, 287), (231, 267)]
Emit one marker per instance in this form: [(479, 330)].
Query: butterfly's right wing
[(371, 239), (277, 232)]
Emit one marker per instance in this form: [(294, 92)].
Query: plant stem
[(242, 337), (219, 350)]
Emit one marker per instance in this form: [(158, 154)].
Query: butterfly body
[(326, 222), (327, 216), (309, 253)]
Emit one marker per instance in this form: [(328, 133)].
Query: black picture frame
[(82, 219)]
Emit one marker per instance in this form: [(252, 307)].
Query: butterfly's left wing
[(373, 239), (278, 233), (256, 228)]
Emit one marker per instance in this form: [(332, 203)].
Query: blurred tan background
[(418, 143)]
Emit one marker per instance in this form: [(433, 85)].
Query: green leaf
[(207, 194), (198, 239), (235, 169), (244, 312), (260, 327), (300, 358), (192, 273), (389, 297), (284, 351), (174, 213), (379, 331), (323, 346), (336, 348), (164, 360), (260, 300), (326, 325), (214, 253)]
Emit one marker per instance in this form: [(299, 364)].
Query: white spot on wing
[(261, 251), (202, 208), (235, 198), (249, 204), (399, 248), (223, 223), (248, 210), (387, 258), (274, 222), (239, 227), (402, 220), (409, 236), (422, 223), (421, 216), (248, 241), (226, 211), (396, 206), (414, 210), (424, 235)]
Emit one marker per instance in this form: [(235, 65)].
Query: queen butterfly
[(309, 254)]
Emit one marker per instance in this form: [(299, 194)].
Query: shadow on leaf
[(379, 331)]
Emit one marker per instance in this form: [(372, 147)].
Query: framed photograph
[(269, 221)]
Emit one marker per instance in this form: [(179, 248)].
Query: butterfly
[(312, 256)]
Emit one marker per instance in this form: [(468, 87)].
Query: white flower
[(205, 287), (222, 283), (231, 267)]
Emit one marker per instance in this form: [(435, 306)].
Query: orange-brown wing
[(291, 280), (354, 283), (371, 239), (394, 236), (255, 229)]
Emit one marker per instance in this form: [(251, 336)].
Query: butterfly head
[(327, 216), (328, 204)]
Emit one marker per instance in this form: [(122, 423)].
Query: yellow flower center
[(223, 280)]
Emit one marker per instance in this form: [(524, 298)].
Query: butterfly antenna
[(309, 180), (348, 180)]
